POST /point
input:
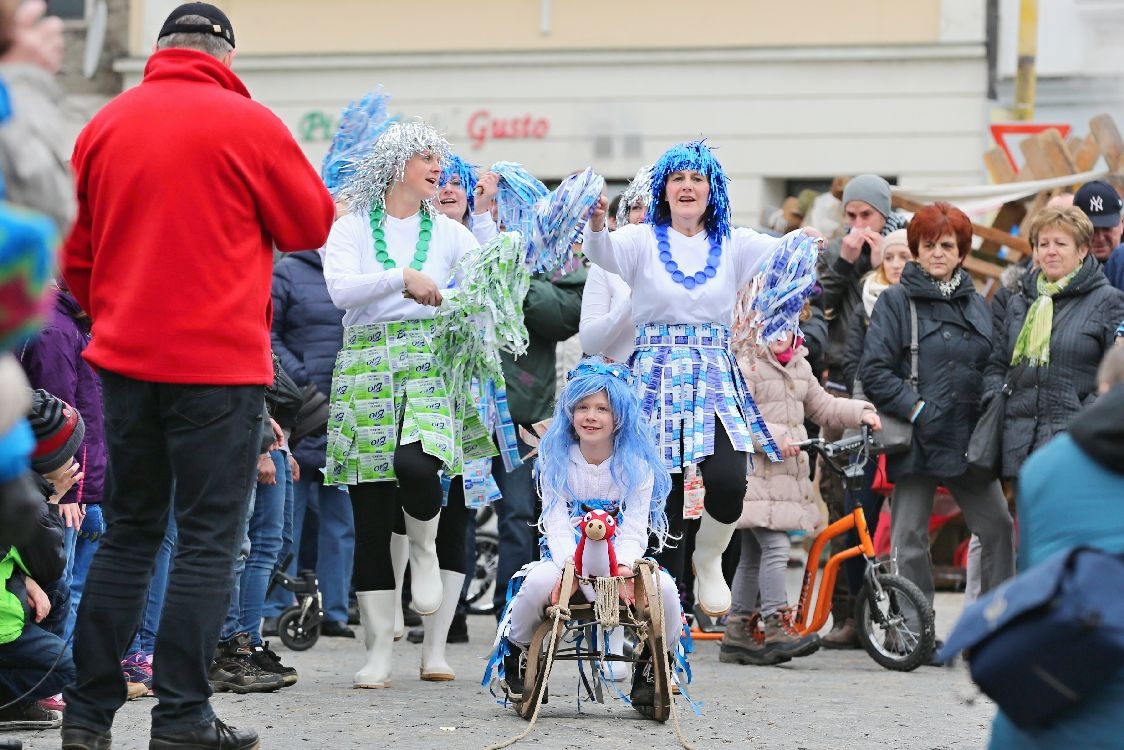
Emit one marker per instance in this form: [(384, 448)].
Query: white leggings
[(529, 604)]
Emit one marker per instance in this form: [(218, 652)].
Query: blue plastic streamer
[(359, 127), (559, 220), (516, 195)]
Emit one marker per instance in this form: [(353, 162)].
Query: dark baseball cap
[(219, 24), (1100, 202)]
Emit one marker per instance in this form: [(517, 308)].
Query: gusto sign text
[(482, 126)]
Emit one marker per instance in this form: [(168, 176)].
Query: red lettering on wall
[(482, 126)]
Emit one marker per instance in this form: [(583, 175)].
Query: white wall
[(916, 113), (1075, 38)]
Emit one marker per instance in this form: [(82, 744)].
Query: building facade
[(785, 93)]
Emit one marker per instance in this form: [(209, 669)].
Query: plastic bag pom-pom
[(561, 219), (483, 315), (516, 195), (771, 305)]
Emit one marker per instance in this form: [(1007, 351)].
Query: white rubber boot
[(617, 671), (434, 666), (713, 595), (400, 557), (376, 614), (425, 575)]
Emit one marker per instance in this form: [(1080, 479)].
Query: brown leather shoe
[(845, 636)]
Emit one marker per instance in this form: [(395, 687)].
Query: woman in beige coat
[(779, 499)]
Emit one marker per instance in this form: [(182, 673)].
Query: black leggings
[(376, 506), (724, 475)]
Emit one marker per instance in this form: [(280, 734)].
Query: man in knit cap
[(841, 268)]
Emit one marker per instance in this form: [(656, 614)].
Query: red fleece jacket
[(184, 186)]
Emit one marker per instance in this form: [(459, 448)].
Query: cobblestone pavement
[(827, 700)]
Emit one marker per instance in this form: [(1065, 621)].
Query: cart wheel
[(293, 633), (650, 611), (895, 623), (535, 677)]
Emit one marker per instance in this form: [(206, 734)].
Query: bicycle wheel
[(895, 623), (483, 583)]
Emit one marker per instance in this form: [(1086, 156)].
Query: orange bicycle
[(894, 619)]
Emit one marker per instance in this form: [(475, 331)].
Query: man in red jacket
[(185, 186)]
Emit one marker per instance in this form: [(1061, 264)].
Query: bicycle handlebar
[(853, 444)]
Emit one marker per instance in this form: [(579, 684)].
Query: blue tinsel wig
[(635, 456), (454, 166), (696, 156), (360, 125)]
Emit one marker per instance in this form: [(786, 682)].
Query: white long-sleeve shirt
[(367, 293), (595, 482), (484, 227), (606, 326), (631, 253)]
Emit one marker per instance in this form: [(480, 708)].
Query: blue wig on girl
[(696, 156), (635, 456), (454, 166)]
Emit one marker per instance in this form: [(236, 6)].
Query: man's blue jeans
[(516, 519), (335, 539), (26, 660)]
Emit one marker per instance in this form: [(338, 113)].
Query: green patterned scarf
[(1033, 344)]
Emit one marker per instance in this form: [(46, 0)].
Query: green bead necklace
[(421, 250)]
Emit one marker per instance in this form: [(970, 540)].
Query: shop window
[(68, 10)]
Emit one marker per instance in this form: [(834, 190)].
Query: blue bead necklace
[(714, 257)]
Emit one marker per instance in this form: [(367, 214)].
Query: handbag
[(896, 435), (985, 447), (1042, 641)]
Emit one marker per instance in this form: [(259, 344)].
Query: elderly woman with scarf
[(1055, 333), (954, 339)]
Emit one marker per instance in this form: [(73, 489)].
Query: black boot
[(513, 666), (458, 629), (643, 695), (218, 736), (78, 738)]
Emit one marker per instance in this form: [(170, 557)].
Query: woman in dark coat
[(954, 335), (1055, 332)]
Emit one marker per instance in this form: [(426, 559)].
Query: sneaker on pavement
[(218, 736), (234, 670), (267, 660), (29, 716), (137, 669), (54, 703)]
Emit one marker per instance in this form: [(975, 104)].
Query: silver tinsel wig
[(386, 164)]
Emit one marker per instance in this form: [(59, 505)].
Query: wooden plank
[(1111, 145), (1053, 148), (1018, 244), (1087, 154), (983, 268), (1034, 152), (1009, 215), (998, 167)]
